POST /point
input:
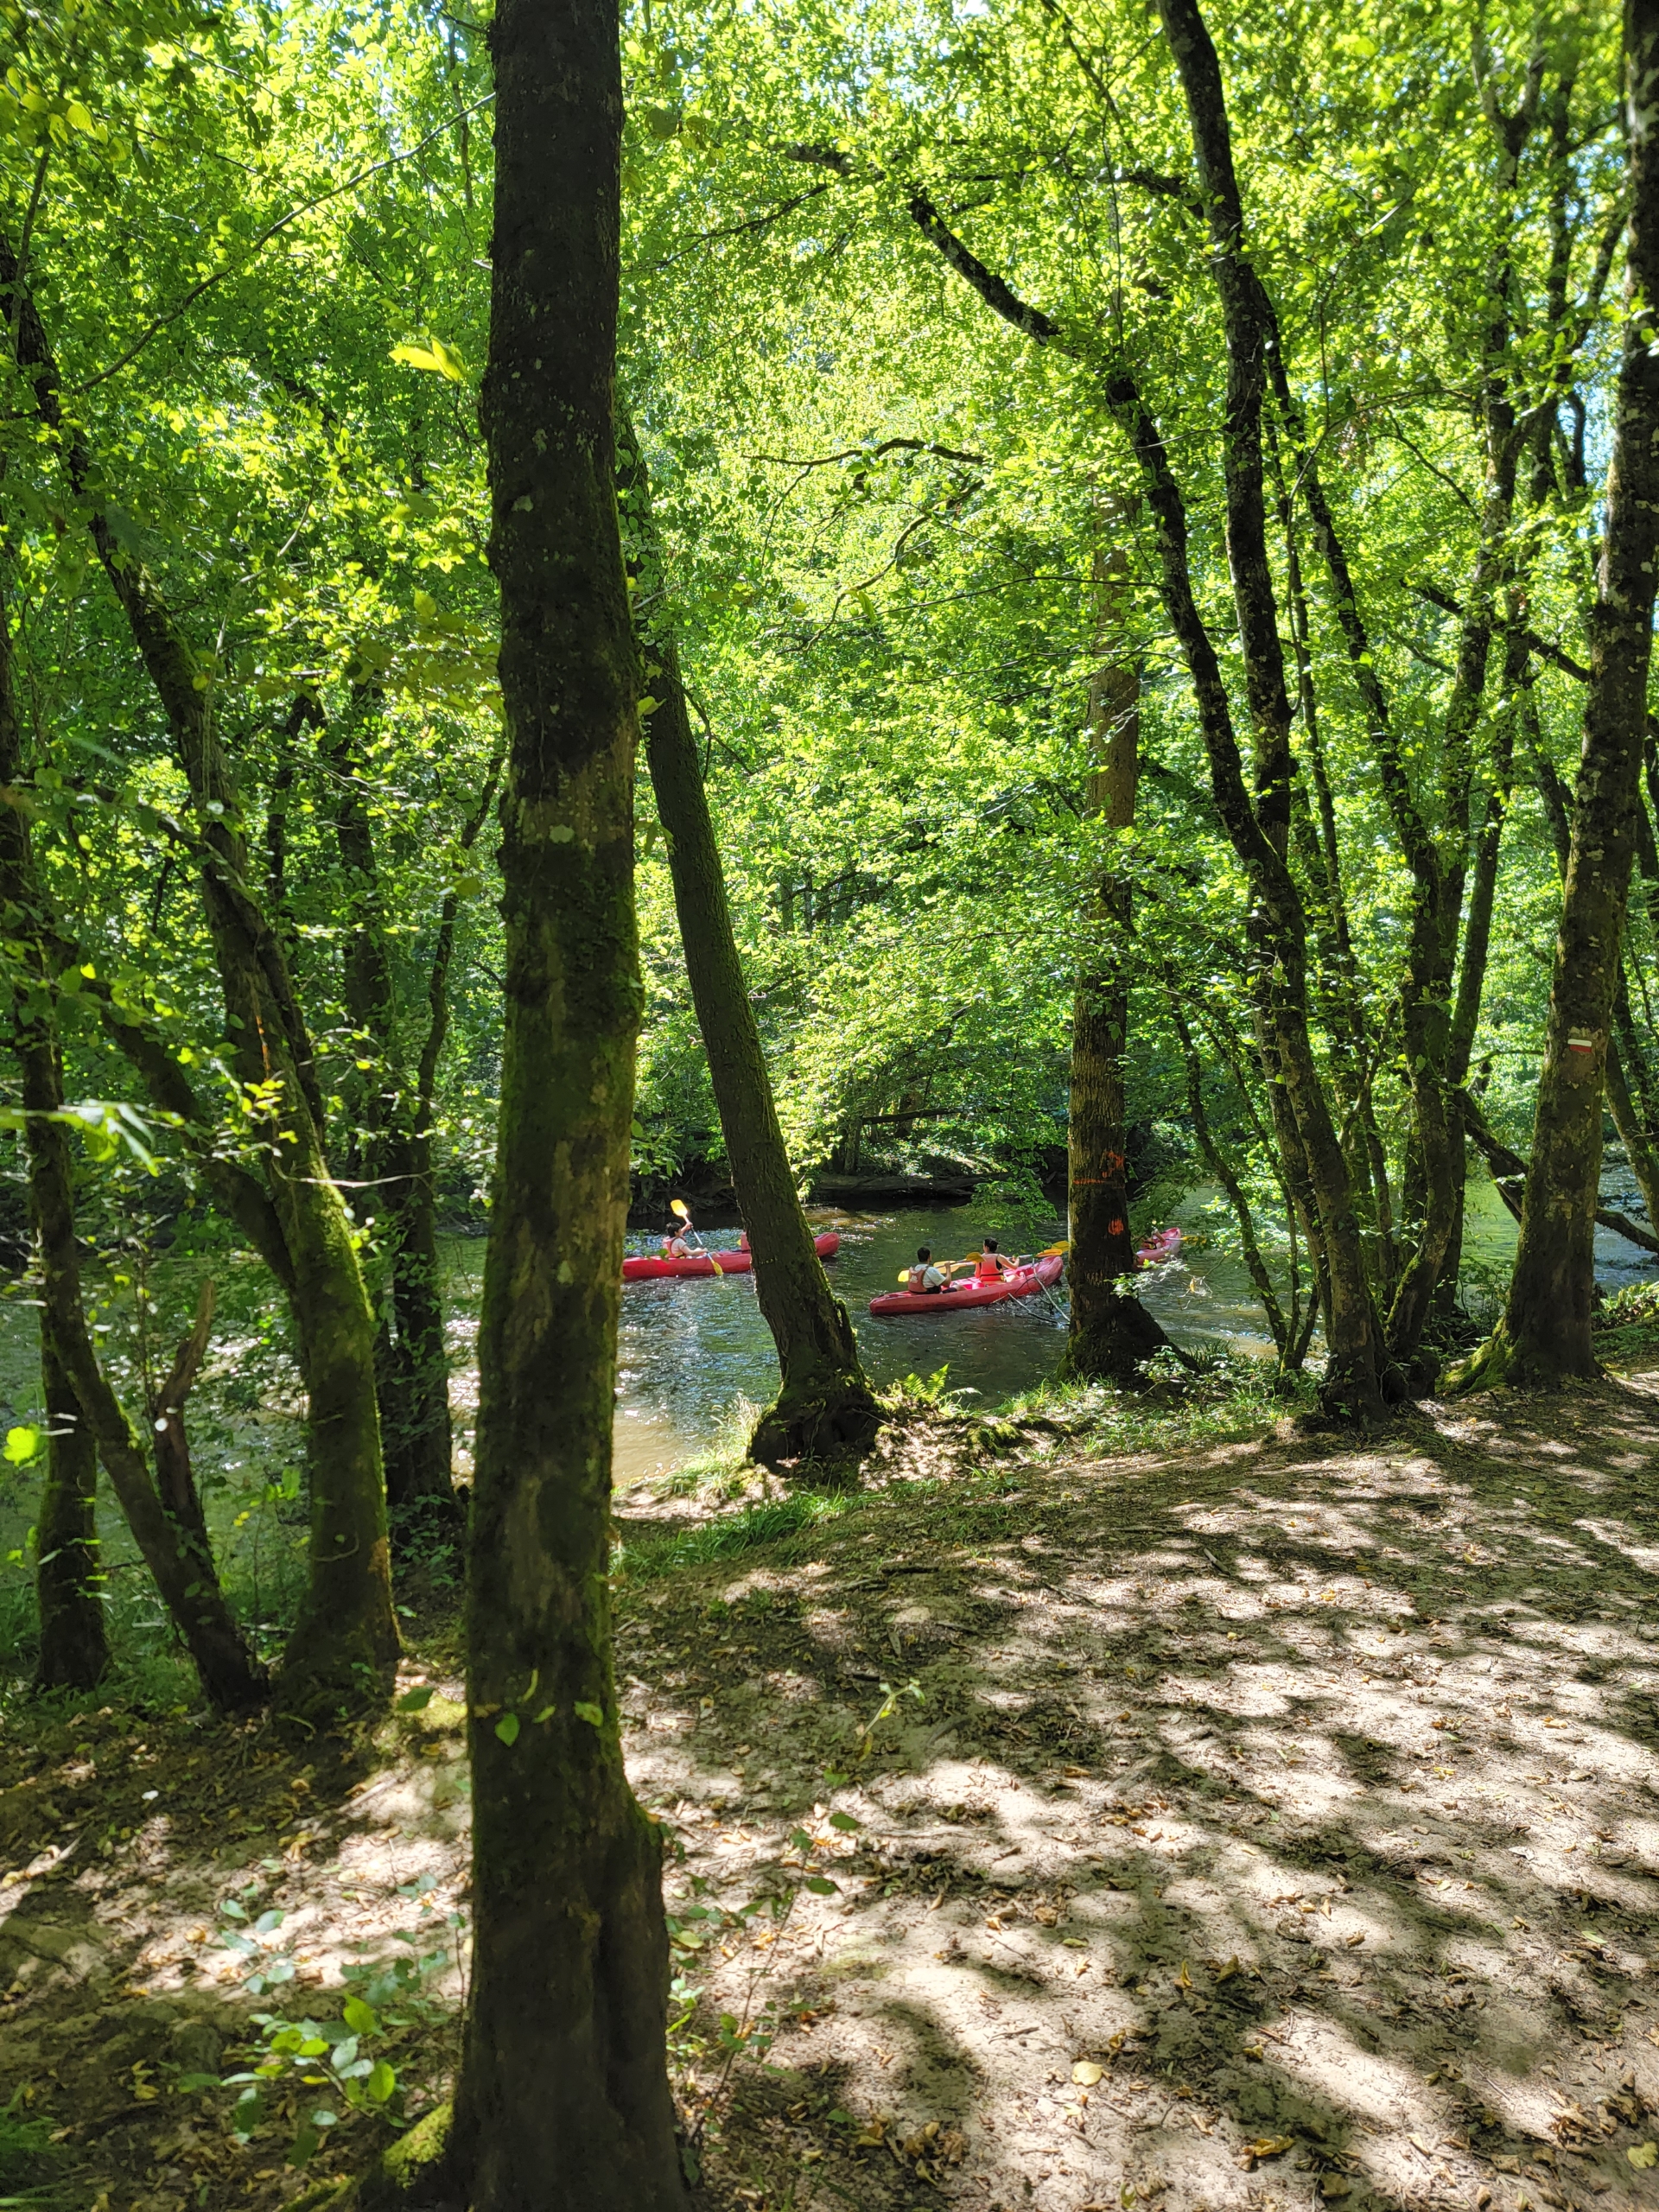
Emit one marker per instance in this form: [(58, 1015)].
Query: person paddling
[(925, 1277), (674, 1243), (992, 1267)]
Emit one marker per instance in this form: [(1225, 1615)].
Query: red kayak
[(1162, 1245), (658, 1267), (1025, 1282)]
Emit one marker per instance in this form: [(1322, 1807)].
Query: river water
[(696, 1358), (694, 1354)]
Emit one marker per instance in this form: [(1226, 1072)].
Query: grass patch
[(1627, 1325), (766, 1523), (29, 2157), (723, 1468)]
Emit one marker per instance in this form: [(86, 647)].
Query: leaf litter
[(1274, 1813)]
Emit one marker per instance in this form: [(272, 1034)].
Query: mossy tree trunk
[(1109, 1334), (824, 1408), (1259, 821), (413, 1366), (69, 1577), (563, 2087), (1545, 1334), (344, 1642)]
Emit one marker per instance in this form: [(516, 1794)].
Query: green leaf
[(508, 1728), (434, 355), (416, 1701), (822, 1886), (844, 1821), (381, 2081), (362, 2019), (24, 1443), (592, 1715)]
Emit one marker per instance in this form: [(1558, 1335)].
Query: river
[(694, 1354)]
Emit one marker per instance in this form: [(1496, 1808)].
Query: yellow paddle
[(972, 1259), (678, 1206)]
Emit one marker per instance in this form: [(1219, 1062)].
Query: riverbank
[(1245, 1817)]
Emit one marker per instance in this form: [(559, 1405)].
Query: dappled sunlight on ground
[(1308, 1793), (1277, 1824)]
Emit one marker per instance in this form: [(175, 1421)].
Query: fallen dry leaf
[(1266, 2147), (1086, 2073)]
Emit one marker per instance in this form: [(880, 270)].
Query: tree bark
[(412, 1371), (68, 1579), (1110, 1336), (1354, 1372), (344, 1642), (1545, 1334), (563, 2085), (825, 1410)]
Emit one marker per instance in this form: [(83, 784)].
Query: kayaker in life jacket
[(674, 1244), (992, 1266), (925, 1277)]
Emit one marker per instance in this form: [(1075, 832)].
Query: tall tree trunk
[(1354, 1371), (79, 1401), (68, 1580), (1110, 1336), (1449, 1320), (825, 1409), (563, 2084), (1544, 1336), (344, 1642), (413, 1368)]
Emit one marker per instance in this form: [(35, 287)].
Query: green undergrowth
[(767, 1521), (29, 2157), (723, 1469), (1627, 1325)]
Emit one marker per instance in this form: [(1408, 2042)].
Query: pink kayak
[(658, 1267), (1025, 1282), (1164, 1245)]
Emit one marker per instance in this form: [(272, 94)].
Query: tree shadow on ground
[(1307, 1791)]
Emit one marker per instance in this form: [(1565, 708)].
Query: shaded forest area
[(614, 619)]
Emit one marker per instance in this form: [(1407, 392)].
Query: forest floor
[(1263, 1821)]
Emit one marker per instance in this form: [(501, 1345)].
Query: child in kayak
[(925, 1277), (674, 1244)]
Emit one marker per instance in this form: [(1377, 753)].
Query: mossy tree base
[(824, 1428), (1501, 1363), (1114, 1345)]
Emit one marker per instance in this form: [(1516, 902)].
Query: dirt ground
[(1277, 1823)]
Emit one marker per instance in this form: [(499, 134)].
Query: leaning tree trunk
[(1545, 1334), (1109, 1335), (824, 1408), (181, 1564), (344, 1646), (563, 2087)]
